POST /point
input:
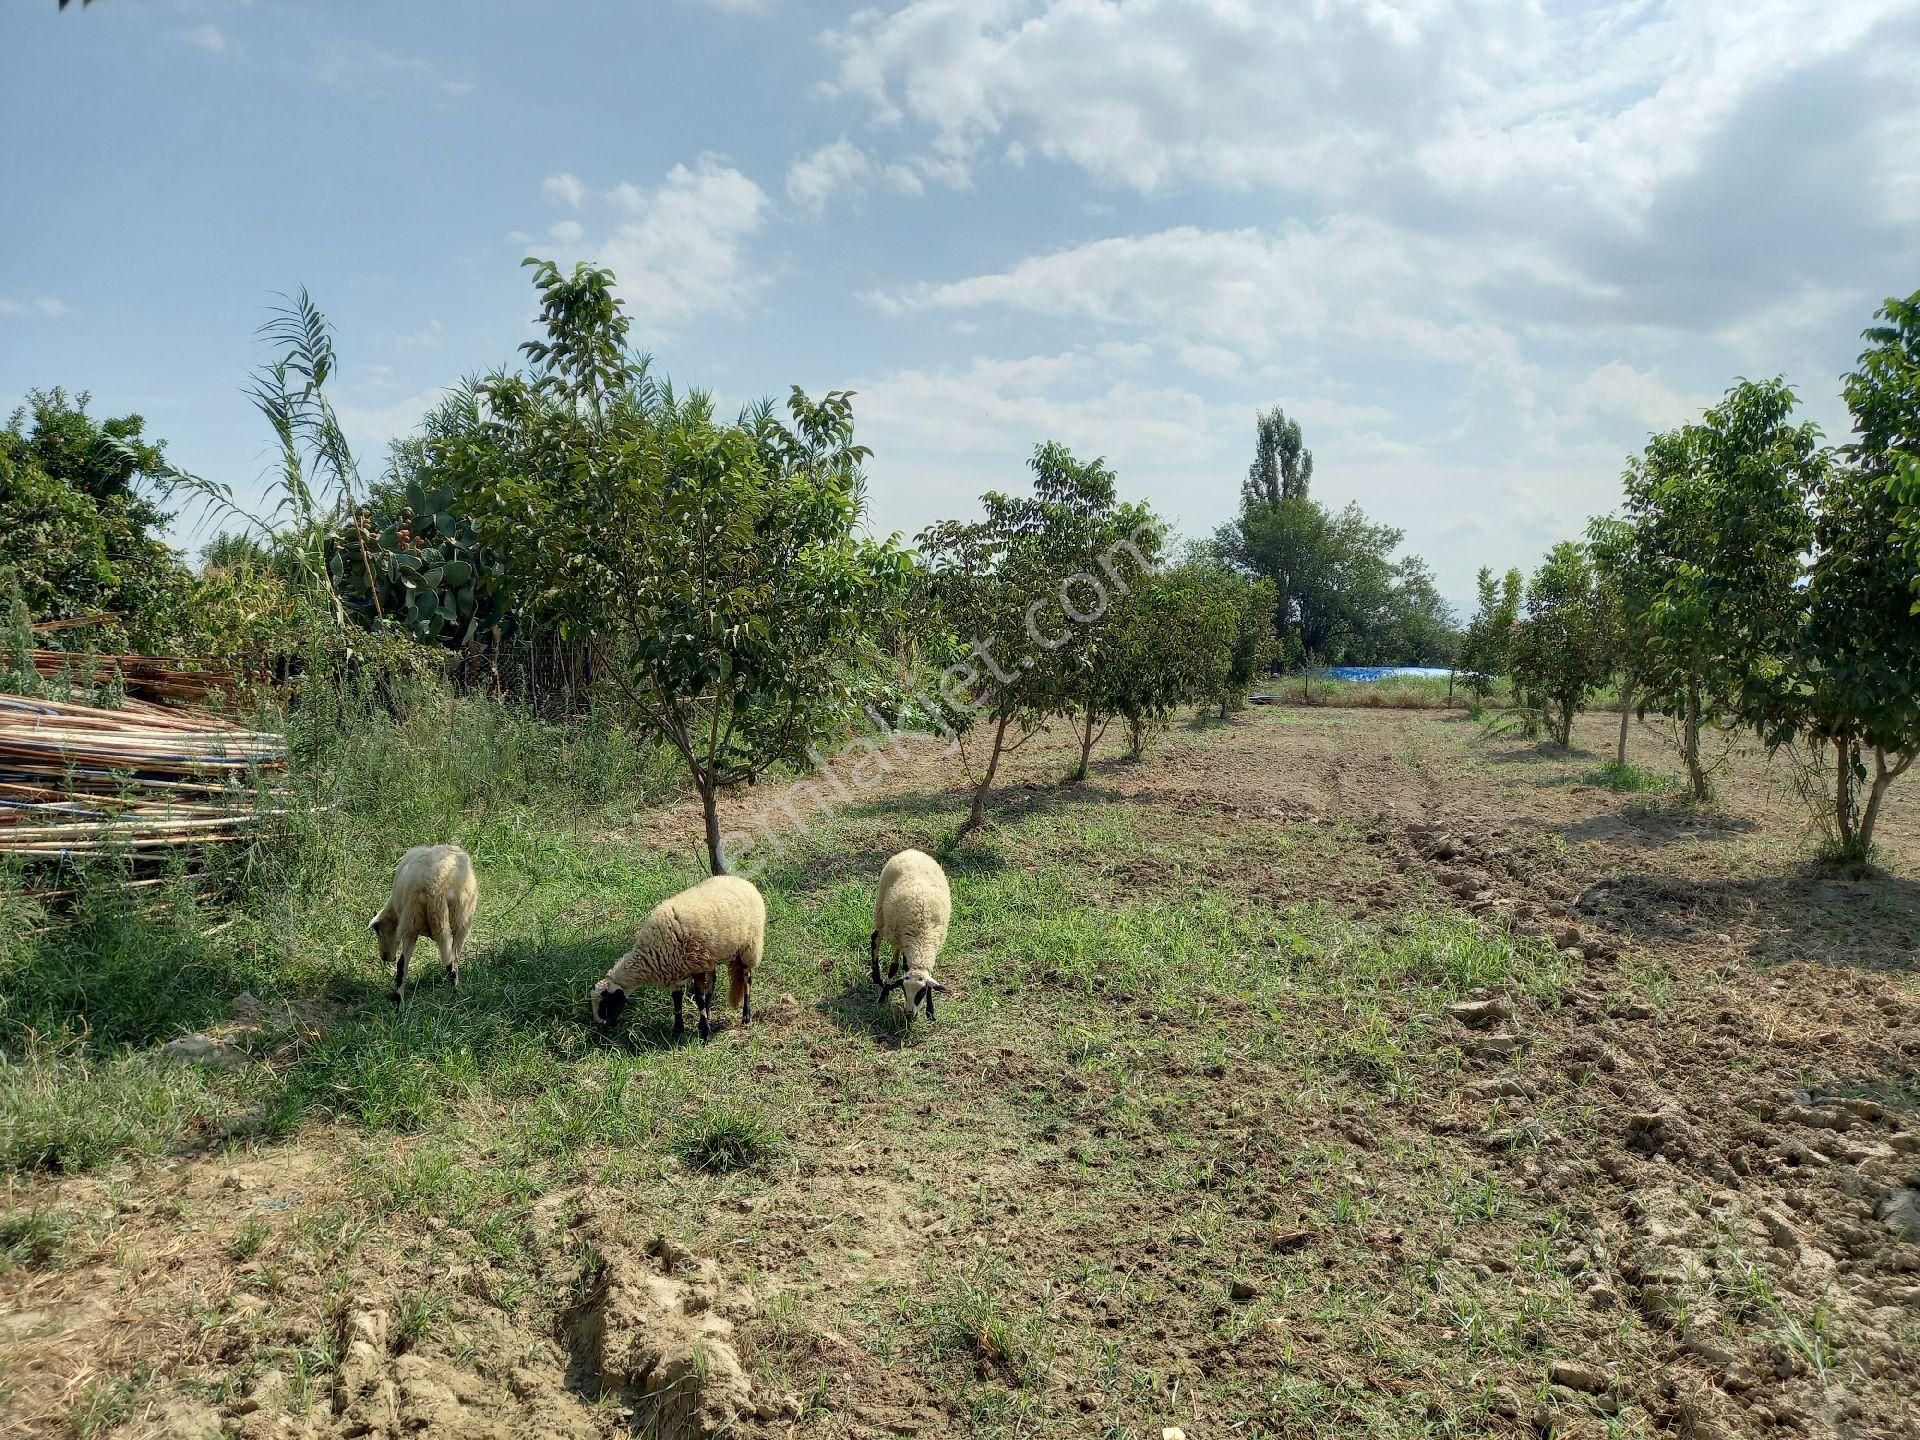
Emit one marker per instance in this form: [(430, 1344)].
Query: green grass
[(1631, 778), (1136, 1061), (727, 1136), (33, 1238)]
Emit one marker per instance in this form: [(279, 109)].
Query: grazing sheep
[(687, 937), (911, 914), (434, 895)]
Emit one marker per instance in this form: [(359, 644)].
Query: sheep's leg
[(703, 1001), (679, 1019), (449, 954), (746, 998), (460, 929), (873, 955), (400, 968)]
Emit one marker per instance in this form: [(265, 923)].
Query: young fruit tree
[(1560, 653), (1853, 681), (1102, 551), (1719, 521), (1034, 590), (1486, 648), (1172, 645), (719, 562), (1620, 588), (1253, 603)]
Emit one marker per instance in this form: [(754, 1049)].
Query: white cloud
[(1007, 406), (1616, 392), (208, 37), (1215, 360), (1219, 297), (373, 72), (903, 179), (677, 250), (837, 168), (427, 337), (370, 428), (47, 305), (565, 189), (1598, 103)]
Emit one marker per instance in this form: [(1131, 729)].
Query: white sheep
[(911, 914), (434, 894), (722, 921)]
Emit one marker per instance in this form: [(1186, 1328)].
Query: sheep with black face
[(911, 914), (687, 937)]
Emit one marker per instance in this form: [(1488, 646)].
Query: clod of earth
[(1900, 1213), (1480, 1014), (1583, 1378), (200, 1050), (656, 1329), (1499, 1046)]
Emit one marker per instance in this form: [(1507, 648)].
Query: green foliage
[(426, 569), (1486, 649), (75, 529), (1173, 645), (1561, 653), (724, 1136), (1718, 515), (1629, 779), (1849, 681), (1282, 467), (1101, 552), (1034, 583), (316, 483), (720, 562), (1340, 596)]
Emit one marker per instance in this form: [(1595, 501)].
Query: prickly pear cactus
[(427, 571)]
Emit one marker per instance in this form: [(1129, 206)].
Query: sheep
[(911, 913), (687, 937), (434, 894)]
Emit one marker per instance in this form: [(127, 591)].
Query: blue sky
[(1479, 247)]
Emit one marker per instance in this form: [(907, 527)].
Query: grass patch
[(1630, 779), (33, 1238), (975, 1317), (69, 1115), (723, 1138)]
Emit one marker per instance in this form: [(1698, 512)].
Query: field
[(1332, 1072)]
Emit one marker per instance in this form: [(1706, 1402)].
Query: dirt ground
[(1658, 1175)]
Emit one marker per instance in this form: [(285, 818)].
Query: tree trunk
[(1086, 746), (710, 808), (1626, 714), (1450, 674), (1563, 732), (1690, 746), (978, 816), (1883, 776)]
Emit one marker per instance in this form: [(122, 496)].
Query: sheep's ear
[(374, 923), (937, 987)]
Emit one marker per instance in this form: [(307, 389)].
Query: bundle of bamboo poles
[(141, 780), (166, 678)]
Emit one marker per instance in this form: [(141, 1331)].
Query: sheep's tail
[(736, 982)]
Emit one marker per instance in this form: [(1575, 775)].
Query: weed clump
[(721, 1139)]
